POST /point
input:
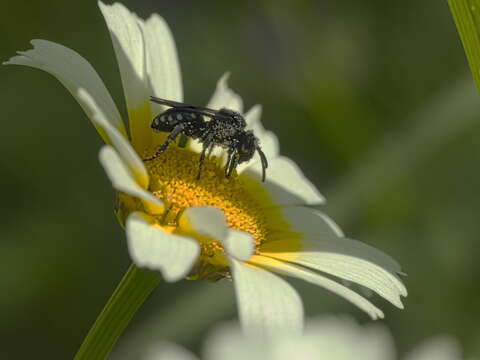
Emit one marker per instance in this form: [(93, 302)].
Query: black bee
[(226, 128)]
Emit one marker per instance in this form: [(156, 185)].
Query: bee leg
[(229, 160), (177, 130), (182, 142), (210, 149), (233, 164), (202, 158), (264, 161)]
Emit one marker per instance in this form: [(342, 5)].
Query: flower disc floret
[(173, 179)]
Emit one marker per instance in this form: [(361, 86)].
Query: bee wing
[(170, 103), (178, 105)]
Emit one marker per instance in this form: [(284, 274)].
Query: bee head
[(246, 146)]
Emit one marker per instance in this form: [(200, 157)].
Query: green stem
[(466, 14), (127, 298)]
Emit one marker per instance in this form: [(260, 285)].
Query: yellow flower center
[(173, 179)]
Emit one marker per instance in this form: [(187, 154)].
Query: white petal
[(307, 220), (225, 97), (441, 347), (152, 247), (121, 178), (211, 222), (321, 232), (343, 339), (163, 71), (266, 302), (206, 220), (350, 260), (74, 72), (331, 223), (228, 342), (239, 244), (168, 351), (352, 248), (317, 279), (163, 68), (83, 82), (268, 140), (375, 343), (128, 43), (121, 144), (285, 182), (253, 116)]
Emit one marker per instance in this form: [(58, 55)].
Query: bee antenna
[(264, 161)]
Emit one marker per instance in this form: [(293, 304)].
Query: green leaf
[(466, 14)]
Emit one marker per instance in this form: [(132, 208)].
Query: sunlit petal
[(75, 73), (224, 97), (163, 71), (266, 302), (307, 220), (211, 222), (121, 144), (350, 260), (239, 244), (152, 247), (285, 182), (128, 43), (206, 220), (121, 177), (317, 279), (268, 140), (163, 68)]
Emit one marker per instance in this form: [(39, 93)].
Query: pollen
[(173, 179)]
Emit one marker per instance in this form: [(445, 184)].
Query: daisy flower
[(212, 227), (325, 338)]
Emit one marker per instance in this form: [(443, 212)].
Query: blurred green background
[(372, 99)]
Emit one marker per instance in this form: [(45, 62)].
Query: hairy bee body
[(225, 128)]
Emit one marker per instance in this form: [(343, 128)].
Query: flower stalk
[(135, 286), (466, 14)]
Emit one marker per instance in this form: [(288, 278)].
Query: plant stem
[(466, 14), (127, 298)]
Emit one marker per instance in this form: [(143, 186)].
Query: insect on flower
[(210, 228), (226, 128)]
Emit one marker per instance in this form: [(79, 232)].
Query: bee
[(225, 128)]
